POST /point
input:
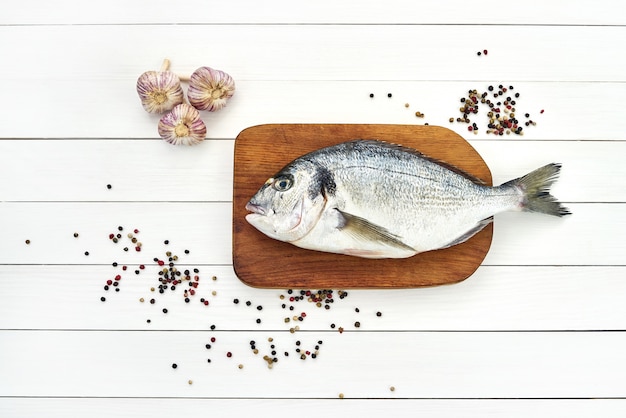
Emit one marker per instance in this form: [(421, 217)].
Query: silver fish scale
[(409, 195)]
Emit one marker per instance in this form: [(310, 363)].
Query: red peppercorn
[(541, 111), (124, 267), (206, 303), (137, 248), (469, 128), (109, 282), (229, 354), (161, 262), (485, 52), (212, 339), (141, 266), (136, 231)]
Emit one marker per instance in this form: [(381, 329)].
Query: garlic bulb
[(159, 91), (209, 89), (182, 126)]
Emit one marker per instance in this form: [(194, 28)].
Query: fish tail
[(535, 187)]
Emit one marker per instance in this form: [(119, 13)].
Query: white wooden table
[(538, 330)]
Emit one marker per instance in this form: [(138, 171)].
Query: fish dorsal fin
[(364, 230), (402, 148)]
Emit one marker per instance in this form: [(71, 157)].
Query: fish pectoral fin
[(469, 234), (364, 230)]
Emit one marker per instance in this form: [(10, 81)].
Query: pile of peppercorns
[(502, 117)]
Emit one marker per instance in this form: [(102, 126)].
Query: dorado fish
[(373, 199)]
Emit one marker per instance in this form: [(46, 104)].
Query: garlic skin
[(159, 91), (182, 126), (210, 89)]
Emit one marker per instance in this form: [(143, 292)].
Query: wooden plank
[(591, 236), (313, 52), (310, 408), (494, 298), (111, 97), (148, 171), (362, 364), (282, 12)]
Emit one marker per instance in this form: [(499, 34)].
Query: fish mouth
[(258, 209)]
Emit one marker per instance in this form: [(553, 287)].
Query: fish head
[(289, 204)]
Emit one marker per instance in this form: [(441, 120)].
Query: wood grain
[(259, 261)]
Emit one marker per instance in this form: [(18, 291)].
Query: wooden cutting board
[(259, 261)]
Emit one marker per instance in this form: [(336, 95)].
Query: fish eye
[(283, 183)]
